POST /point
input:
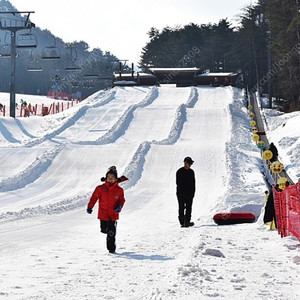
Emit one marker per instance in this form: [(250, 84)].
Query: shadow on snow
[(133, 255)]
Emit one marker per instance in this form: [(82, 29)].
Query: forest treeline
[(264, 48)]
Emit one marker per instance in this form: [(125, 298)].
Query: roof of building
[(163, 70), (218, 74)]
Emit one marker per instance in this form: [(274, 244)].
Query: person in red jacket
[(110, 197)]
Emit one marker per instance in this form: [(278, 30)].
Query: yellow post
[(272, 225)]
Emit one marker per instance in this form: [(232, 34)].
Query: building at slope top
[(179, 76)]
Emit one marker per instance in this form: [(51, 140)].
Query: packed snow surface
[(50, 248)]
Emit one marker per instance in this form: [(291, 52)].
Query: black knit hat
[(112, 170)]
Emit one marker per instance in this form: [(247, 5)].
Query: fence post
[(298, 202), (287, 201)]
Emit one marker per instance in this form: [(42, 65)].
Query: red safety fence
[(287, 210), (40, 109)]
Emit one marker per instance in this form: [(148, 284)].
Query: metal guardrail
[(271, 177)]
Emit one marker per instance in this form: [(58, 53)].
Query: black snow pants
[(109, 228), (270, 215), (185, 203)]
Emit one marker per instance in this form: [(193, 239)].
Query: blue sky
[(121, 26)]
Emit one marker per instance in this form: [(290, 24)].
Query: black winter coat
[(270, 209), (185, 181), (274, 150)]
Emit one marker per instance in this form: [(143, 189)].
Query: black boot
[(189, 224)]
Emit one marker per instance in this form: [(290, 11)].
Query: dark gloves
[(122, 178), (89, 210), (118, 208)]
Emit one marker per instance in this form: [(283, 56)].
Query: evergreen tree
[(284, 24)]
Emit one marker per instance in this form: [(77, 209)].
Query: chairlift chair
[(4, 55), (73, 57), (5, 48), (72, 69), (91, 76), (26, 41), (51, 52), (34, 69), (33, 65)]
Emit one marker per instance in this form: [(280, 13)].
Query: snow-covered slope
[(51, 249)]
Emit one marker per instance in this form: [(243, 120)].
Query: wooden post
[(120, 70), (132, 71)]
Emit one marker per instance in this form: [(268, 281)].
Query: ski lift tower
[(14, 25)]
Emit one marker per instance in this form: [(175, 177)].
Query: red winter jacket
[(109, 197)]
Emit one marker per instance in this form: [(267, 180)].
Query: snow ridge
[(51, 209), (73, 119), (193, 98), (31, 173), (240, 149), (134, 169), (107, 97), (180, 119), (119, 128), (7, 134)]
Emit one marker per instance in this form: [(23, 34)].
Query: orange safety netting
[(287, 210)]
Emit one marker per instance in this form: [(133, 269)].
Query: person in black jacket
[(185, 181), (270, 215), (274, 151)]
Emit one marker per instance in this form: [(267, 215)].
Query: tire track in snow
[(32, 172), (135, 167)]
